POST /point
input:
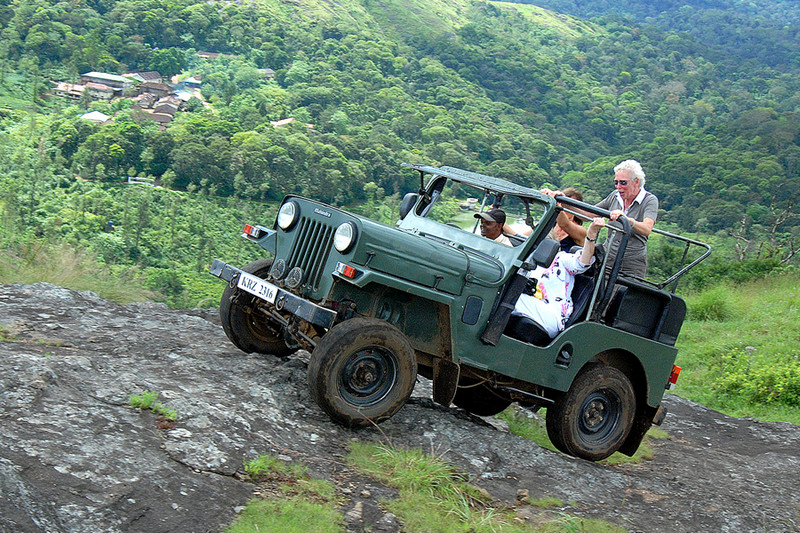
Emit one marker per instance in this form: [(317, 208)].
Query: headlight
[(345, 237), (287, 215)]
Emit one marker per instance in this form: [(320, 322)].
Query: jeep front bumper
[(281, 300)]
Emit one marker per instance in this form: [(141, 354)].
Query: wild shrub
[(71, 268), (149, 400), (711, 304), (760, 378)]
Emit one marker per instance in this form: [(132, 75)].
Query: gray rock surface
[(75, 457)]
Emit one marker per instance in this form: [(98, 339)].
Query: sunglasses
[(621, 182)]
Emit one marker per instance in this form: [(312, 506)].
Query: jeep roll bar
[(682, 269)]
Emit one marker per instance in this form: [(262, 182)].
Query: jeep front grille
[(310, 250)]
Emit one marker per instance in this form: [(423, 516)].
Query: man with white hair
[(629, 200), (641, 209)]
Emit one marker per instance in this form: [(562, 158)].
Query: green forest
[(706, 95)]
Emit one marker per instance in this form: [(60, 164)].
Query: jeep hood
[(423, 259)]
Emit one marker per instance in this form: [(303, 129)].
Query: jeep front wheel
[(246, 327), (593, 418), (362, 371)]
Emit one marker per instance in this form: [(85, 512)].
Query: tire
[(594, 417), (248, 331), (362, 371), (480, 400)]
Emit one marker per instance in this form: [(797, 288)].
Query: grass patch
[(746, 361), (527, 424), (287, 516), (710, 304), (6, 335), (531, 426), (72, 269), (434, 498), (270, 467), (575, 524), (295, 503), (149, 401), (546, 503)]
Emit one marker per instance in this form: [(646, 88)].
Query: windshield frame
[(419, 220)]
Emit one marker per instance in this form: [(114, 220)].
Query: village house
[(193, 82), (145, 100), (168, 105), (100, 91), (268, 73), (162, 118), (158, 89), (184, 96), (149, 76), (287, 121), (161, 111), (118, 83), (96, 116), (73, 91)]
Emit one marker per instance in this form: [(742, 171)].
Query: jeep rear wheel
[(362, 371), (593, 418), (246, 327), (480, 399)]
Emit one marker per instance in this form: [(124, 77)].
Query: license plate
[(257, 287)]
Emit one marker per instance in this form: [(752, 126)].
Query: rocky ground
[(75, 457)]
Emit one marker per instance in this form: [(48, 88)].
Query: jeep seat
[(583, 289), (647, 312), (524, 329), (581, 296)]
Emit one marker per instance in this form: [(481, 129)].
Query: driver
[(492, 222)]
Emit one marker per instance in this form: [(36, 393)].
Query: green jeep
[(377, 305)]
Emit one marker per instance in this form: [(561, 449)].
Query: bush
[(719, 269), (711, 304), (760, 378)]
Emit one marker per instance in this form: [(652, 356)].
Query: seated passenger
[(492, 222), (565, 240), (548, 296)]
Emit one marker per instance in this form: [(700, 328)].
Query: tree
[(167, 62)]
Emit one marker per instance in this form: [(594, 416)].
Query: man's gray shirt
[(635, 260)]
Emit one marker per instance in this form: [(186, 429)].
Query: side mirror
[(544, 254), (409, 200)]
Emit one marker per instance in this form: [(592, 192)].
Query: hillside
[(327, 99), (75, 456)]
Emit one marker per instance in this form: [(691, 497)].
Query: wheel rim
[(368, 376), (599, 416)]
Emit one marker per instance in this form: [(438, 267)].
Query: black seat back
[(673, 321), (581, 296), (647, 312), (524, 329)]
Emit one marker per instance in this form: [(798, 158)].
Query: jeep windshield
[(445, 209)]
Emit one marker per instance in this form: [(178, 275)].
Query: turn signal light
[(253, 231), (673, 376), (347, 270)]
